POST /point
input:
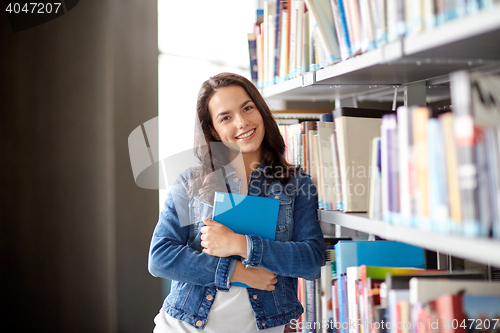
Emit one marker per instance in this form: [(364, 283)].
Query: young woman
[(240, 149)]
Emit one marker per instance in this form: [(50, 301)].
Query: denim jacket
[(298, 251)]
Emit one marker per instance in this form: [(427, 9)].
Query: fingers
[(272, 284), (209, 222)]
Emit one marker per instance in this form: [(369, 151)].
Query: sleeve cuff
[(224, 272), (254, 251)]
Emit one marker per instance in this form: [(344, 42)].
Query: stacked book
[(439, 170), (292, 37), (383, 286), (436, 170)]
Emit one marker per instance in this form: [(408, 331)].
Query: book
[(301, 294), (368, 29), (325, 131), (390, 169), (446, 120), (323, 15), (420, 116), (449, 309), (424, 290), (354, 18), (492, 141), (374, 204), (337, 190), (354, 129), (252, 48), (284, 41), (438, 187), (394, 297), (402, 281), (406, 166), (342, 299), (379, 253), (326, 295), (277, 40), (484, 309), (471, 112), (238, 212), (380, 14), (341, 29), (352, 276)]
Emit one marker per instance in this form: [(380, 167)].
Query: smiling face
[(237, 120)]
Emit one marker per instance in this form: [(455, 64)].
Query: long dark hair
[(273, 146)]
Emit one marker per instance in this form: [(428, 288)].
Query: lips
[(246, 134)]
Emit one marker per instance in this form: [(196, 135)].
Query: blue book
[(252, 51), (247, 215), (342, 295), (377, 253), (345, 31)]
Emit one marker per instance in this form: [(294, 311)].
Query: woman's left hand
[(220, 241)]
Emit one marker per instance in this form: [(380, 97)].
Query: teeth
[(245, 135)]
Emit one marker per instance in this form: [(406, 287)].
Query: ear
[(214, 133)]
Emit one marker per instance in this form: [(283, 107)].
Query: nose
[(241, 121)]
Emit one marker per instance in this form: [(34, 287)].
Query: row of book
[(334, 151), (292, 37), (436, 170), (383, 286), (439, 171)]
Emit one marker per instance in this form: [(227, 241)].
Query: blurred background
[(74, 227)]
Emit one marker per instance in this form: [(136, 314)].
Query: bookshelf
[(475, 249), (469, 43)]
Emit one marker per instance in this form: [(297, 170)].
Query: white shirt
[(231, 312)]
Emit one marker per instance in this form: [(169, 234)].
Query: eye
[(248, 108), (224, 119)]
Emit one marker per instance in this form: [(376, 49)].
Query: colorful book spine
[(493, 156), (446, 120), (393, 168), (384, 168), (406, 166), (420, 116), (277, 40), (464, 128), (342, 296), (252, 48), (325, 131), (355, 25), (438, 187), (340, 29), (339, 203)]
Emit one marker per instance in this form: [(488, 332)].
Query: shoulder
[(187, 181), (300, 176)]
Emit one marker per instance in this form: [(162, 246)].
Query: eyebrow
[(223, 113)]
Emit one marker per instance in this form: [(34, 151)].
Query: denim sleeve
[(304, 255), (171, 257)]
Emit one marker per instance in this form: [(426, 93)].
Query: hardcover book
[(381, 253), (354, 130), (247, 215)]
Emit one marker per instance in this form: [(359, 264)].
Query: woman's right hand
[(257, 278)]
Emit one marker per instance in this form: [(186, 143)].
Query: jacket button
[(254, 296), (277, 197), (210, 297), (264, 324), (235, 179), (199, 323)]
